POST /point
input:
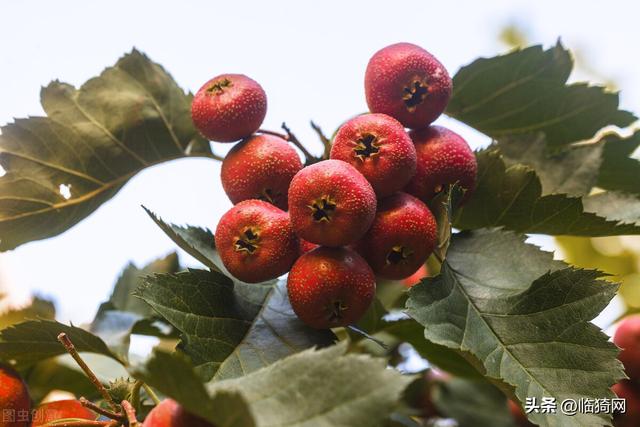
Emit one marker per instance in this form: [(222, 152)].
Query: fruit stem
[(107, 413), (290, 137), (325, 141), (151, 393), (366, 335), (131, 413), (71, 349)]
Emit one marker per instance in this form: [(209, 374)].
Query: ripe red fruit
[(61, 409), (627, 337), (229, 107), (331, 287), (444, 157), (169, 413), (331, 203), (260, 167), (407, 82), (256, 242), (415, 278), (14, 399), (401, 238), (378, 146), (628, 391), (519, 417), (306, 246)]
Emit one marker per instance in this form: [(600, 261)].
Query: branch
[(323, 138), (107, 413), (290, 137), (131, 414)]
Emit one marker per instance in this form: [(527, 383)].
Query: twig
[(131, 414), (326, 142), (71, 349), (107, 413), (151, 393), (295, 141)]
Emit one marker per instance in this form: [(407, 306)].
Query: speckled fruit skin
[(627, 337), (391, 79), (306, 246), (330, 287), (630, 392), (14, 397), (229, 107), (169, 413), (444, 157), (255, 241), (337, 189), (60, 409), (378, 146), (401, 238), (260, 167)]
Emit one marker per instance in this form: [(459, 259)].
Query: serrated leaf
[(320, 388), (618, 206), (175, 377), (526, 91), (619, 171), (39, 308), (526, 317), (62, 167), (35, 340), (196, 241), (229, 329), (511, 197)]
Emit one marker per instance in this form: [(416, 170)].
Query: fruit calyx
[(336, 311), (323, 209), (248, 241), (368, 145), (414, 94), (218, 87), (268, 195), (398, 254)]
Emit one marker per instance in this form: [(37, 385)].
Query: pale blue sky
[(310, 58)]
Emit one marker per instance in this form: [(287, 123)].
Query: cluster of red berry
[(627, 337), (336, 224)]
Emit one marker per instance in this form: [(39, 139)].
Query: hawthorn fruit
[(519, 417), (256, 242), (260, 167), (629, 391), (331, 203), (444, 157), (627, 337), (403, 235), (229, 107), (408, 83), (169, 413), (61, 409), (331, 287), (14, 398)]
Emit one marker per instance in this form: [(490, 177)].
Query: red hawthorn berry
[(628, 391), (408, 83), (401, 238), (519, 417), (229, 107), (306, 246), (260, 167), (331, 203), (256, 242), (415, 278), (14, 399), (169, 413), (61, 409), (378, 146), (331, 287), (444, 157), (627, 337)]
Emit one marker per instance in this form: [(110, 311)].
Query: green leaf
[(93, 140), (229, 329), (573, 172), (320, 388), (619, 172), (35, 340), (38, 309), (175, 377), (197, 242), (525, 316), (50, 375), (526, 91), (511, 197), (614, 205)]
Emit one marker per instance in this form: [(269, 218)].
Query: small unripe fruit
[(627, 337), (256, 242), (401, 238), (378, 146), (631, 416), (408, 83), (229, 107), (14, 399), (260, 167), (169, 413), (61, 409), (331, 203), (330, 287), (444, 157)]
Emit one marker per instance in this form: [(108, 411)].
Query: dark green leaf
[(93, 140), (50, 375), (229, 329), (525, 92), (618, 206), (511, 198), (38, 309), (525, 316), (619, 172)]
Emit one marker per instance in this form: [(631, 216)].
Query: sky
[(309, 56)]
